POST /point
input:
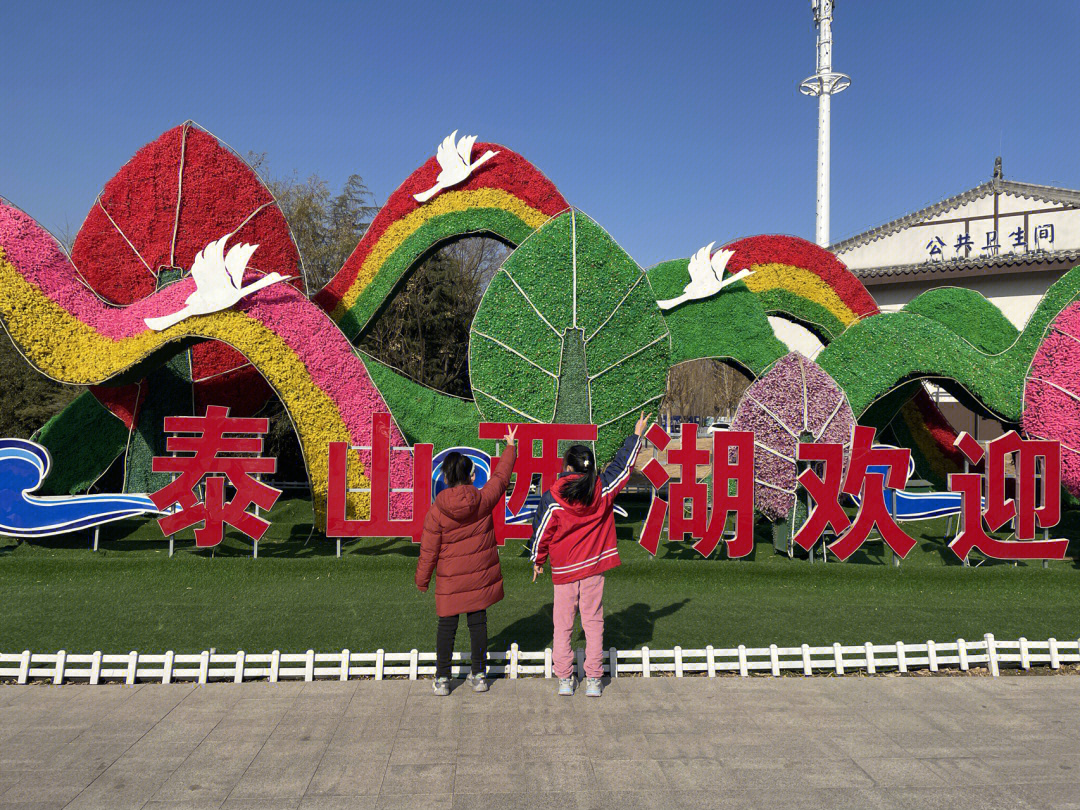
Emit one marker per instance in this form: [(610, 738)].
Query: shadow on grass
[(626, 629)]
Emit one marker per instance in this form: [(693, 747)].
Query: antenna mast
[(823, 84)]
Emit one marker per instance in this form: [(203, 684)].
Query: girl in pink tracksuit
[(575, 527)]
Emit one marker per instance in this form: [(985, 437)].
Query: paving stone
[(282, 769), (341, 773), (210, 773), (906, 771), (867, 743), (430, 778), (414, 801)]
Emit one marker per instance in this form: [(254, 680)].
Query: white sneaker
[(477, 682), (593, 687), (566, 687), (441, 687)]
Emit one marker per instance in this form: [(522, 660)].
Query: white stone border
[(134, 667)]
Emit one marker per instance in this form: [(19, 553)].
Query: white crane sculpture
[(218, 278), (454, 164), (706, 276)]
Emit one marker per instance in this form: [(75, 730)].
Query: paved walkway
[(885, 742)]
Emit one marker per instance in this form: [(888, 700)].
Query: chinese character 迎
[(934, 246), (964, 242), (997, 510), (732, 463), (1044, 234), (207, 447)]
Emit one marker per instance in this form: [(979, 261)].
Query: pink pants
[(586, 595)]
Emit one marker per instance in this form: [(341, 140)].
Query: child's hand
[(538, 569), (642, 424), (511, 432)]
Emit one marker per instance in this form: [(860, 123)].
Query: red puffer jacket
[(580, 538), (458, 544)]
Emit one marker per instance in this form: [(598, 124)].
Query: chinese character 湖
[(732, 466)]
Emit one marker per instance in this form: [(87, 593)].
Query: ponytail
[(580, 488), (457, 469)]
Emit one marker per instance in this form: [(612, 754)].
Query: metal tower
[(823, 84)]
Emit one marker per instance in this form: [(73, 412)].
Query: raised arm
[(496, 486), (617, 473)]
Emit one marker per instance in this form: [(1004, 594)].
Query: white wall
[(1015, 294), (909, 246), (797, 337)]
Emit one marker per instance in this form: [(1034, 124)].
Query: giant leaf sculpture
[(568, 332)]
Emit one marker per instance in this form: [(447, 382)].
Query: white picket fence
[(133, 667)]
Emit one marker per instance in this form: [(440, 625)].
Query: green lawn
[(58, 594)]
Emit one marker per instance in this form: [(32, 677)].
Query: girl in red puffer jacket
[(575, 527), (458, 545)]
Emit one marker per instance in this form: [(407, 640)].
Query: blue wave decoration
[(909, 506), (23, 467)]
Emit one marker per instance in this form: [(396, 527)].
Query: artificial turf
[(129, 595)]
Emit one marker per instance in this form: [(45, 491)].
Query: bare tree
[(703, 388)]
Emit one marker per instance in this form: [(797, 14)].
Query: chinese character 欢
[(207, 447), (732, 465), (1044, 235), (997, 509), (935, 246), (871, 470)]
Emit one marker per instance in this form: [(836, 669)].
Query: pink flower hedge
[(1052, 393)]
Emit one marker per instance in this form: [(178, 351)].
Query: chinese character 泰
[(934, 246), (207, 446)]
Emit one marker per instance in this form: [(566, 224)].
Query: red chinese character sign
[(731, 458), (870, 471), (380, 523), (548, 464), (989, 504), (212, 455)]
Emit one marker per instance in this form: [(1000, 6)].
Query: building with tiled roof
[(1008, 240)]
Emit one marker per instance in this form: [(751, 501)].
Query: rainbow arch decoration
[(70, 335), (799, 280), (507, 197)]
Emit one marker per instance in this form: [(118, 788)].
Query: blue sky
[(673, 124)]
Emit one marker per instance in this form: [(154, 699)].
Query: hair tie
[(585, 464)]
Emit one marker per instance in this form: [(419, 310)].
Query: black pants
[(444, 642)]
